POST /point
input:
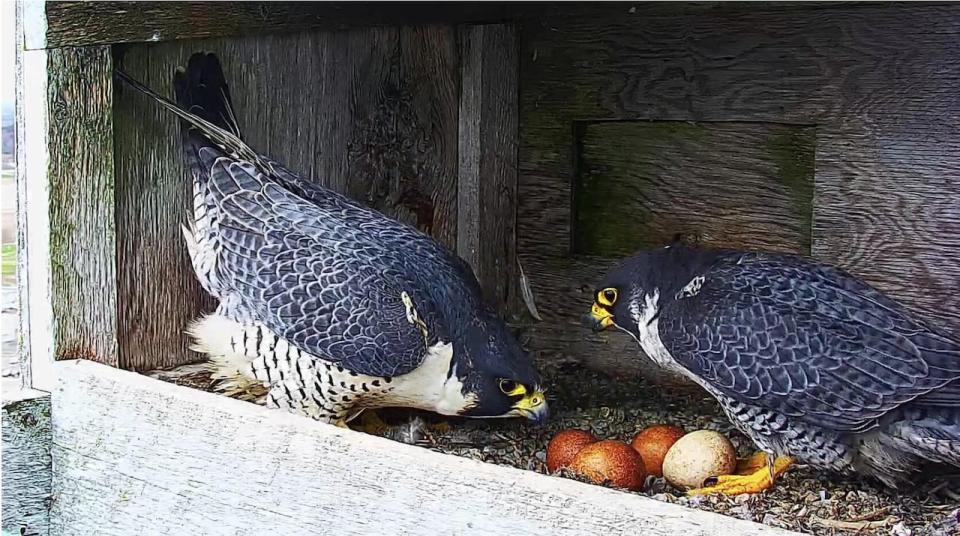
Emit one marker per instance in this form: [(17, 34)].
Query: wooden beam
[(88, 23), (33, 215), (65, 187), (26, 462), (82, 227), (83, 23), (487, 183), (133, 452)]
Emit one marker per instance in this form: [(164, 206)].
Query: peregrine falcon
[(327, 307), (810, 363)]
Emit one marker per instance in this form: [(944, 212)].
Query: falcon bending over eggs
[(327, 307), (810, 363)]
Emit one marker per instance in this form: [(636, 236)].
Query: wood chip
[(870, 516), (854, 525)]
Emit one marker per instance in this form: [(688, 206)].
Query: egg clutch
[(686, 461)]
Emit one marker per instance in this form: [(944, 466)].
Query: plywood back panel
[(878, 84), (730, 185)]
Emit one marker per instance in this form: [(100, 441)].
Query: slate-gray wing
[(321, 285), (804, 340)]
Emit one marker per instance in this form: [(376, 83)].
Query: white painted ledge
[(135, 455), (26, 462)]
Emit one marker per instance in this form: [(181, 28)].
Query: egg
[(653, 442), (698, 456), (611, 461), (565, 445)]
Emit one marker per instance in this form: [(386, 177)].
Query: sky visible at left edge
[(7, 51)]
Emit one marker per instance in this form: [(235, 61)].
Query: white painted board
[(134, 455)]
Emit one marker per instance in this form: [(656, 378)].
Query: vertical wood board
[(488, 159), (82, 233)]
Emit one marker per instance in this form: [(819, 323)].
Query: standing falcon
[(327, 307), (807, 361)]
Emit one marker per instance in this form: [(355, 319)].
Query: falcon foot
[(371, 423), (441, 427), (747, 481), (749, 465)]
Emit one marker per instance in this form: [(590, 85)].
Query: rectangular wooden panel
[(138, 456), (487, 188), (729, 185), (371, 113)]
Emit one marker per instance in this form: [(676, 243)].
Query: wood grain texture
[(74, 23), (26, 463), (728, 185), (888, 208), (87, 23), (370, 113), (82, 233), (487, 184), (34, 345), (877, 82), (420, 183), (135, 455)]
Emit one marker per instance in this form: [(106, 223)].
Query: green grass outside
[(9, 260)]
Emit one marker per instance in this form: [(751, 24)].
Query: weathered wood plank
[(884, 109), (71, 23), (371, 113), (35, 344), (135, 455), (26, 462), (82, 234), (87, 23), (421, 158), (487, 185)]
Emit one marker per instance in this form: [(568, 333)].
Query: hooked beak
[(534, 407), (599, 318)]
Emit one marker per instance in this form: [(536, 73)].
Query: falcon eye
[(511, 388), (608, 296)]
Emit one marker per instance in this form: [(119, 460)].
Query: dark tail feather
[(202, 90), (204, 106)]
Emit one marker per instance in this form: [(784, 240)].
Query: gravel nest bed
[(803, 499)]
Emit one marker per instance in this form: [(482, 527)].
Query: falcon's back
[(805, 357)]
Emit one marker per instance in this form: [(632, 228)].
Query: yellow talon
[(755, 481), (749, 465), (371, 423), (440, 427), (342, 423)]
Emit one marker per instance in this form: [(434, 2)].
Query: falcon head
[(636, 288), (497, 376)]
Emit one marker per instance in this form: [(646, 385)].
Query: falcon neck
[(672, 268)]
